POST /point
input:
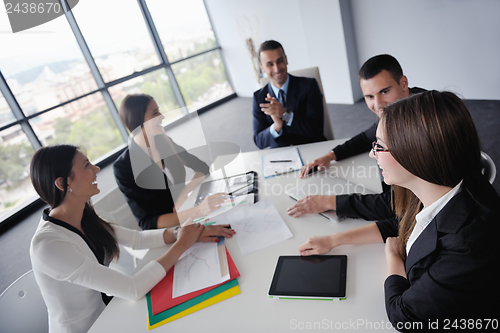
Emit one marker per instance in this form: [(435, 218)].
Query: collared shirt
[(426, 215), (276, 91)]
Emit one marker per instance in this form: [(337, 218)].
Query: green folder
[(154, 319)]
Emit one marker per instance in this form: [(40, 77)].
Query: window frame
[(21, 119)]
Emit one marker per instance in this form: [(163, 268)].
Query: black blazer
[(452, 267), (305, 100), (148, 191)]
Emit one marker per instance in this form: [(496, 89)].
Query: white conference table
[(253, 310)]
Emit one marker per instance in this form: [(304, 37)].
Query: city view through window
[(52, 96)]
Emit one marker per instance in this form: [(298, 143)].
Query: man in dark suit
[(289, 109), (382, 81)]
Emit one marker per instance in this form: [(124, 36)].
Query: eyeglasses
[(376, 148)]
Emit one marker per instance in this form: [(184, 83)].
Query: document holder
[(235, 186)]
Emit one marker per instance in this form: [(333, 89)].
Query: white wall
[(311, 33), (441, 44)]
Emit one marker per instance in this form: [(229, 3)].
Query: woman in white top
[(73, 246), (442, 237)]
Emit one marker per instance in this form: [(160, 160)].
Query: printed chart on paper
[(198, 268), (258, 226)]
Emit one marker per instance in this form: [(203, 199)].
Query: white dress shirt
[(71, 279), (426, 215), (276, 93)]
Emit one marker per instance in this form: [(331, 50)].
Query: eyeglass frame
[(376, 148)]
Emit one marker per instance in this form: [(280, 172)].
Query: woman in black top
[(151, 171), (441, 223)]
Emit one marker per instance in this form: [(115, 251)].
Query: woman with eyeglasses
[(73, 247), (441, 237)]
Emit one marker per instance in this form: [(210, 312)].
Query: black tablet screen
[(310, 276)]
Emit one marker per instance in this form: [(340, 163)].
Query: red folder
[(161, 294)]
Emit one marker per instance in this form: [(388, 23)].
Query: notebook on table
[(281, 162)]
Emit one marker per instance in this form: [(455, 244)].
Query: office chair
[(22, 308), (312, 72), (113, 208), (489, 168)]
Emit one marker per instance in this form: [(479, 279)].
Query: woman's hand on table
[(312, 204), (211, 203), (317, 245), (188, 234), (210, 233)]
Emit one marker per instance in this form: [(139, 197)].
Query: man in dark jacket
[(289, 109), (382, 82)]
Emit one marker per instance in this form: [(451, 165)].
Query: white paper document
[(243, 200), (218, 217), (284, 161), (201, 266), (257, 226)]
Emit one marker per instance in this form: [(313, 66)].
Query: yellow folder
[(217, 298)]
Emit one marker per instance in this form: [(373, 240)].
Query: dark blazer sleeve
[(261, 122), (369, 207), (446, 290), (192, 161), (358, 144), (146, 204), (308, 118)]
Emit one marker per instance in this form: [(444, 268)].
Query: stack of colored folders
[(162, 308)]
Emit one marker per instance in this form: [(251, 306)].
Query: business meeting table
[(363, 310)]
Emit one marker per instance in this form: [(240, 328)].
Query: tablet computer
[(312, 277)]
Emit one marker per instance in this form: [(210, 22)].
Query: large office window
[(202, 79), (44, 68), (63, 81), (183, 26), (6, 115), (86, 123), (15, 156), (117, 36), (155, 84)]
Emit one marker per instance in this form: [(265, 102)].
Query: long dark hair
[(433, 136), (132, 111), (50, 163)]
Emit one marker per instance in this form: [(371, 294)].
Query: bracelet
[(176, 230)]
